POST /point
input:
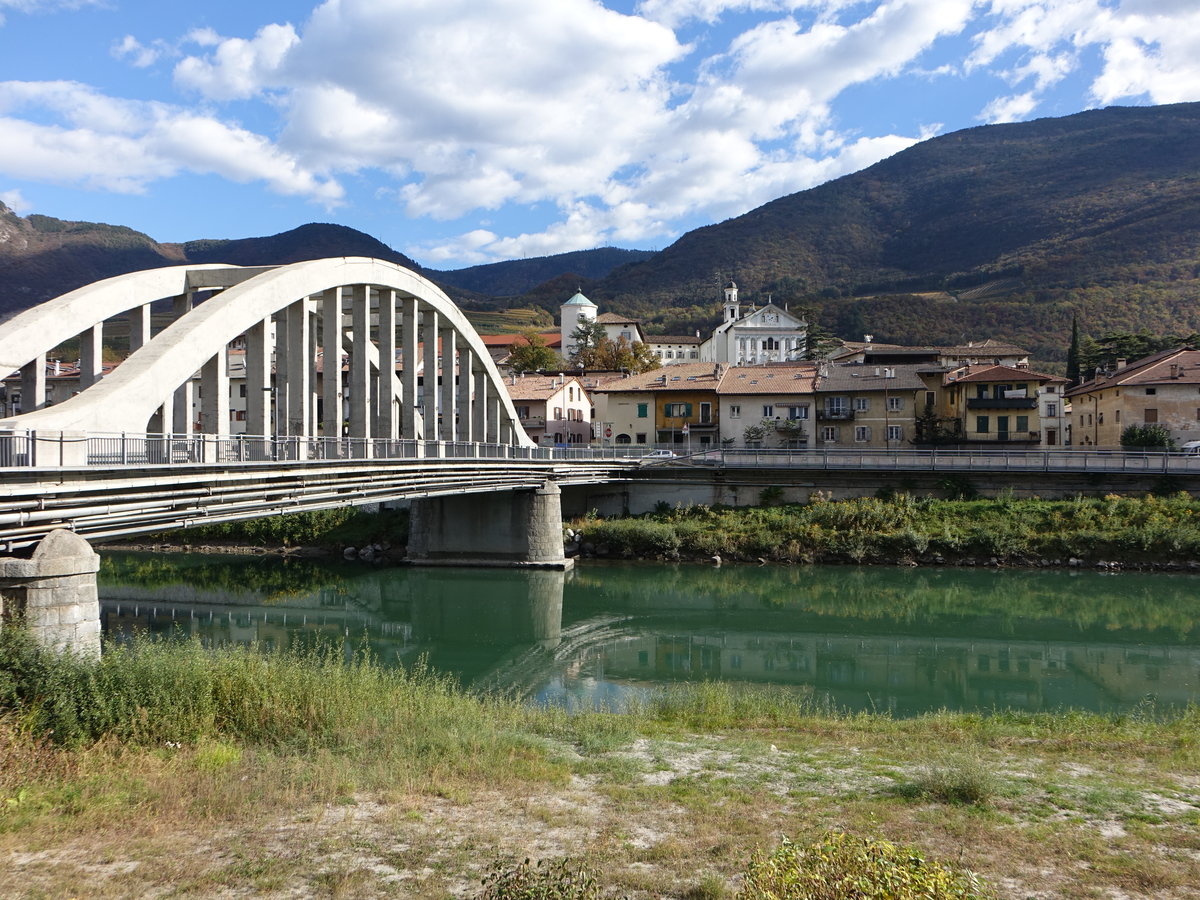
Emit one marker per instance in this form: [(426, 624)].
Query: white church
[(747, 336)]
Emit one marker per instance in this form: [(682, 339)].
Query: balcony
[(835, 415), (1001, 403)]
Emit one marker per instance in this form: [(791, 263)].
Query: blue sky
[(469, 131)]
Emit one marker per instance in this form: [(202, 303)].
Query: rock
[(350, 553), (367, 553), (1074, 563), (716, 560)]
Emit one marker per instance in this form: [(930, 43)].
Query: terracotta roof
[(552, 339), (536, 387), (1178, 366), (674, 339), (682, 377), (610, 318), (1000, 373), (775, 379)]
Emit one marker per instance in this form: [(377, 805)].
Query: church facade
[(754, 336)]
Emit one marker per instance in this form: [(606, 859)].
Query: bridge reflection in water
[(894, 640)]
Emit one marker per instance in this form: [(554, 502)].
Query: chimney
[(1121, 363)]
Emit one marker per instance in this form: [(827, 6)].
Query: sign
[(608, 432), (685, 428)]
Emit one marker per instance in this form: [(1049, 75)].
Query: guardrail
[(1065, 460), (30, 449)]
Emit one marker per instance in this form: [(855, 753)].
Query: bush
[(560, 880), (966, 781), (841, 866)]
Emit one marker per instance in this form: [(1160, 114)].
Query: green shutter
[(641, 410)]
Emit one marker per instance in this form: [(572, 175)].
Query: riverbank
[(174, 770), (1113, 532)]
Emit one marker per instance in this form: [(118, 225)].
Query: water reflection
[(903, 640)]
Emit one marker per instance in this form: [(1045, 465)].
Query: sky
[(471, 131)]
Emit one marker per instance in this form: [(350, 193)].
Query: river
[(902, 640)]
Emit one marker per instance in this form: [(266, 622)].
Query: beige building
[(768, 406), (1162, 389), (554, 409), (865, 406), (1005, 405)]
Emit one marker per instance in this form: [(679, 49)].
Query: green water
[(903, 640)]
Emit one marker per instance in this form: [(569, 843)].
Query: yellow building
[(1162, 389), (674, 405), (1004, 405)]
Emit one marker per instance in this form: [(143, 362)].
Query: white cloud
[(139, 55), (123, 146), (1009, 109), (16, 202), (238, 67)]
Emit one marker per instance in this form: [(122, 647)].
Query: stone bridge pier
[(521, 528), (53, 593)]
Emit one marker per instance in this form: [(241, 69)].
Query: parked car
[(660, 454)]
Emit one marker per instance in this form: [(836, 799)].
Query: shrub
[(560, 880), (965, 781), (842, 866)]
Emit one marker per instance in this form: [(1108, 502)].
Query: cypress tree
[(1073, 351)]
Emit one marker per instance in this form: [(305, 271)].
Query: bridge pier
[(54, 594), (520, 528)]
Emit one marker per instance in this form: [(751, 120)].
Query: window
[(895, 433), (861, 404), (677, 410), (241, 390), (768, 411), (1052, 409), (797, 412), (522, 412), (1150, 392), (862, 433), (829, 434), (695, 354), (735, 411), (930, 398), (642, 407), (640, 437), (622, 439), (836, 406), (1022, 423), (705, 413), (1051, 389), (1151, 416), (628, 335), (558, 413), (1002, 426), (895, 404), (982, 426), (1118, 417)]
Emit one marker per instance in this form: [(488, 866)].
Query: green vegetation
[(901, 527), (341, 527), (845, 867), (314, 771), (530, 354), (1147, 436)]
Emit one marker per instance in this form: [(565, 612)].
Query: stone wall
[(54, 593)]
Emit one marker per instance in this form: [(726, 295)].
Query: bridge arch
[(296, 321)]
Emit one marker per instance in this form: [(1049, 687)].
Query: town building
[(864, 406), (1004, 405), (674, 406), (671, 349), (767, 406), (749, 336), (554, 410), (1161, 389)]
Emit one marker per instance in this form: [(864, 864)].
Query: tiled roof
[(774, 379), (867, 377), (609, 318), (535, 387), (682, 377), (674, 339), (1178, 366), (1000, 373), (552, 338)]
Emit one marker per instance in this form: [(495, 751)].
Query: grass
[(316, 771), (899, 526)]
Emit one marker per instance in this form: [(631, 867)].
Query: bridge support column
[(54, 594), (514, 528)]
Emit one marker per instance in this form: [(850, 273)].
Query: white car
[(660, 454)]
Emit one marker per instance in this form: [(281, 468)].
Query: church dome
[(579, 300)]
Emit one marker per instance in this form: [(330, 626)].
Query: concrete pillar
[(466, 382), (54, 593), (480, 406), (139, 327), (332, 414), (214, 394), (258, 379), (91, 356), (360, 362), (299, 369), (33, 384), (429, 338), (389, 421), (408, 381), (515, 528), (181, 413), (448, 430)]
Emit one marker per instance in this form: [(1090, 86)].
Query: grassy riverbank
[(176, 770), (1129, 530)]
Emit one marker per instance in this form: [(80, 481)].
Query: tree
[(1148, 436), (530, 353), (1073, 352), (620, 354), (586, 340)]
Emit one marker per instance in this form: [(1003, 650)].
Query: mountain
[(506, 279), (1001, 230)]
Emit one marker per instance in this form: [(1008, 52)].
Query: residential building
[(618, 327), (554, 409), (675, 405), (672, 349), (1161, 389), (972, 353), (768, 406), (861, 406), (1003, 405)]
